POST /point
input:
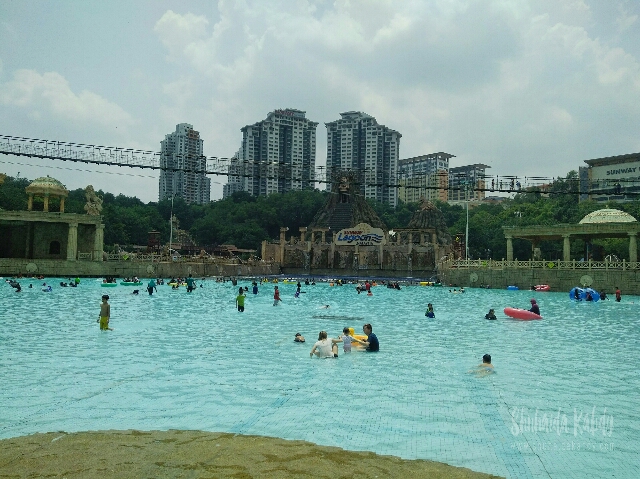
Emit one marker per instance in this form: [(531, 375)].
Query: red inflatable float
[(542, 287), (521, 314)]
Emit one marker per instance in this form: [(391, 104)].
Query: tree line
[(245, 220)]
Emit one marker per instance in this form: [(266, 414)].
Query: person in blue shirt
[(151, 286), (191, 284), (430, 313), (371, 343)]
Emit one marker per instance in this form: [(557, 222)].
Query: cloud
[(521, 85), (179, 31), (50, 93)]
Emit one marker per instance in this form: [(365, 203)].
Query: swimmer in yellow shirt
[(105, 313)]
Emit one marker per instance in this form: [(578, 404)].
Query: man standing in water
[(618, 295), (371, 343), (191, 284)]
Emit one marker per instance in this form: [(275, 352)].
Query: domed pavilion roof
[(607, 215), (49, 185)]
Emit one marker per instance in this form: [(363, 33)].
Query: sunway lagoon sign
[(362, 235)]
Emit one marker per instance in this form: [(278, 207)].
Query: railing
[(538, 264), (154, 258)]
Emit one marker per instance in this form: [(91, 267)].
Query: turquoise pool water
[(562, 404)]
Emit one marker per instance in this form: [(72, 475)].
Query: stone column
[(303, 230), (509, 248), (434, 238), (46, 202), (30, 203), (98, 243), (566, 248), (27, 245), (332, 251), (633, 247), (62, 204), (72, 241), (323, 235), (282, 243)]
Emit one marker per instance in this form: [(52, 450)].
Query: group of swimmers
[(45, 287), (490, 315), (327, 347)]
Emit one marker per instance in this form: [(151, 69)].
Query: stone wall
[(398, 260), (66, 269), (557, 279)]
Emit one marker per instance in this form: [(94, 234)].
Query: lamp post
[(171, 227), (466, 234)]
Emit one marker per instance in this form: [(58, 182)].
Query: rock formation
[(429, 216), (346, 206)]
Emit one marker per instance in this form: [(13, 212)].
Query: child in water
[(240, 300), (430, 313), (346, 340), (105, 313), (276, 296)]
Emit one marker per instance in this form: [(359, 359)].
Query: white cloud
[(51, 93)]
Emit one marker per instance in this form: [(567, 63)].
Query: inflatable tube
[(512, 288), (108, 285), (583, 294), (542, 287), (521, 314), (130, 283)]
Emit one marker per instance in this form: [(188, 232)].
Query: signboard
[(615, 172), (361, 235)]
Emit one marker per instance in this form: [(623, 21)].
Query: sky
[(528, 87)]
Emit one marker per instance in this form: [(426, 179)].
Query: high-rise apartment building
[(358, 143), (183, 166), (424, 176), (278, 154), (235, 175), (467, 183)]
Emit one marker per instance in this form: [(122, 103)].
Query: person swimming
[(485, 368), (490, 315)]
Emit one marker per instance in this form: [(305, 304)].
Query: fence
[(539, 264)]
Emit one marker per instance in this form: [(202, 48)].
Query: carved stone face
[(344, 185)]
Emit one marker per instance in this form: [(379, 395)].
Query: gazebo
[(46, 187), (604, 223)]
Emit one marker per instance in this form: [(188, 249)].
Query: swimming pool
[(563, 403)]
